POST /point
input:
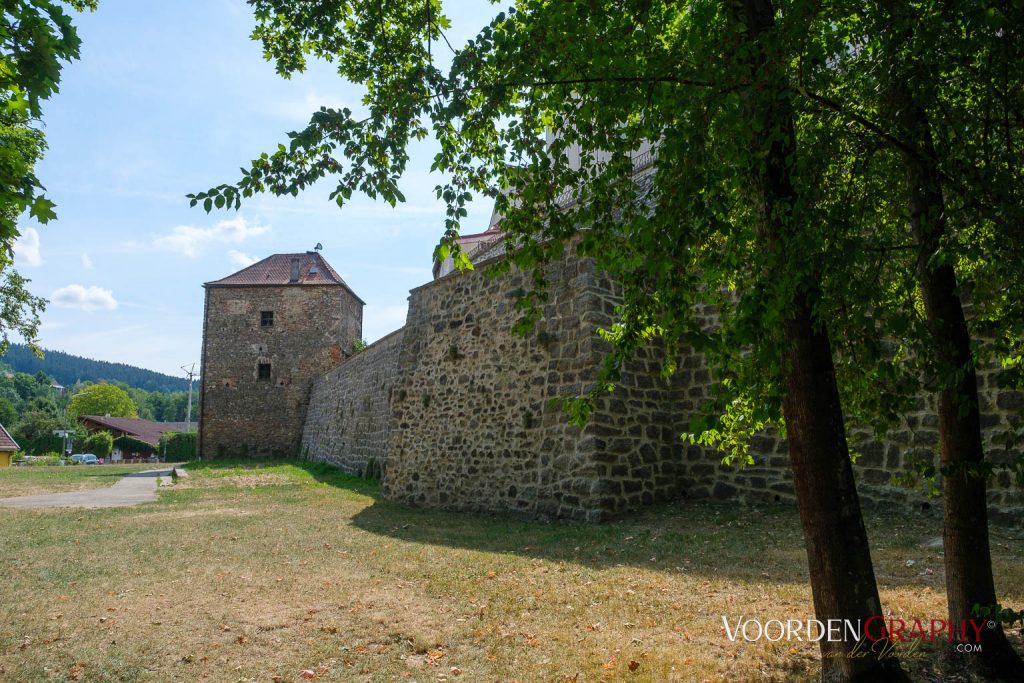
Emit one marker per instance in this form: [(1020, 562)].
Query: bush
[(44, 444), (100, 444), (178, 445)]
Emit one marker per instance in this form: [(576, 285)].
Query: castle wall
[(472, 424), (349, 415), (877, 461), (241, 414), (471, 427), (636, 449)]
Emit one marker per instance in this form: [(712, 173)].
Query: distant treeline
[(68, 370)]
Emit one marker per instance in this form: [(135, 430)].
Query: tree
[(744, 216), (938, 95), (103, 399), (36, 36), (730, 222), (35, 429), (8, 414)]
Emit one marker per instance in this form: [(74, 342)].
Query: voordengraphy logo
[(874, 629)]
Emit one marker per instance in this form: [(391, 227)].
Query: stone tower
[(268, 331)]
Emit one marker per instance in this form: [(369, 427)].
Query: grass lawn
[(262, 573), (28, 481)]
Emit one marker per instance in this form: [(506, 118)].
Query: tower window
[(263, 371), (266, 318)]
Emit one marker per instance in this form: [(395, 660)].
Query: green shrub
[(100, 444), (178, 445)]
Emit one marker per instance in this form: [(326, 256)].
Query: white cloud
[(189, 240), (86, 261), (26, 248), (88, 299), (241, 259)]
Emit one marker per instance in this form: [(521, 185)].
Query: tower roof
[(278, 271)]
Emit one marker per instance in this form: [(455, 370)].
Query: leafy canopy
[(103, 399), (36, 39), (547, 84)]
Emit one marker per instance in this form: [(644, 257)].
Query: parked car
[(85, 458)]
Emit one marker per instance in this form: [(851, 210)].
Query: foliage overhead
[(608, 77), (36, 39)]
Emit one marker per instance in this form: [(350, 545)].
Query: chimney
[(295, 270)]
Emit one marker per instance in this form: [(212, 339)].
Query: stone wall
[(471, 426), (314, 326), (349, 415), (916, 438)]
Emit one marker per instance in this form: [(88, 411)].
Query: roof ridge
[(8, 435)]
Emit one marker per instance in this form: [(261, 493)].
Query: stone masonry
[(470, 425), (349, 420), (473, 427), (268, 331)]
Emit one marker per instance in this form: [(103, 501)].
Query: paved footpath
[(132, 489)]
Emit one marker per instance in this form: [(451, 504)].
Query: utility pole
[(190, 372)]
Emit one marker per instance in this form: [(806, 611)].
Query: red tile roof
[(276, 271), (7, 442), (143, 430)]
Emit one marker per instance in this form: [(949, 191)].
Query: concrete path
[(132, 489)]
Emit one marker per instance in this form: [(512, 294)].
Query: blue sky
[(170, 98)]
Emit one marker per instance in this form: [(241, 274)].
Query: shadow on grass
[(688, 536), (708, 536)]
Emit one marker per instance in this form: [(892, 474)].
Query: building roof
[(471, 245), (7, 442), (276, 271), (143, 430)]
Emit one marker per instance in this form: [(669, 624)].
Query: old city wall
[(472, 424), (265, 417), (349, 415), (471, 427), (915, 440)]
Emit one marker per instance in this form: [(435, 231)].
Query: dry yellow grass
[(29, 481), (246, 575)]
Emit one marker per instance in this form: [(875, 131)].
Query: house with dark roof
[(7, 447), (133, 437), (268, 331)]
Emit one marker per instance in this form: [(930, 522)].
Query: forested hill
[(68, 369)]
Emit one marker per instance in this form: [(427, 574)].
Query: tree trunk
[(839, 560), (967, 558)]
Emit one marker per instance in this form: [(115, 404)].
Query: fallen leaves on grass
[(76, 670)]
